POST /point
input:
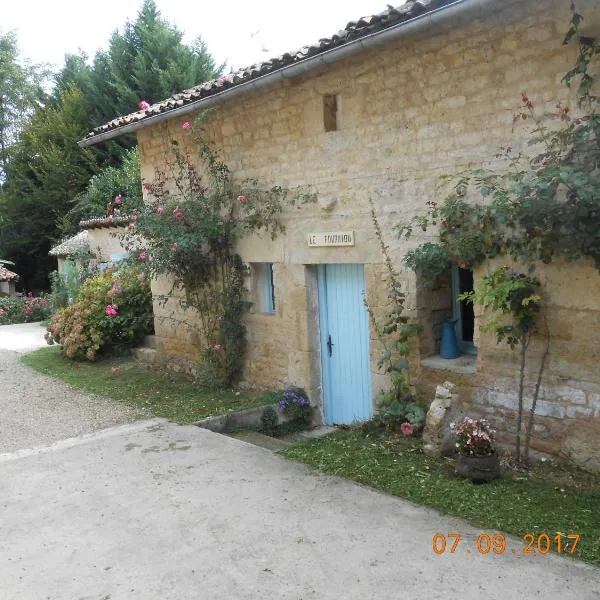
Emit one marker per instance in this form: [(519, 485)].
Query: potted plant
[(477, 458)]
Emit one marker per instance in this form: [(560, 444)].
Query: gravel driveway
[(38, 410)]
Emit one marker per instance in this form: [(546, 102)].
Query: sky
[(237, 31)]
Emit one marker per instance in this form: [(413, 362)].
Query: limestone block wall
[(420, 108), (104, 242)]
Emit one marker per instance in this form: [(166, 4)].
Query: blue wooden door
[(344, 327)]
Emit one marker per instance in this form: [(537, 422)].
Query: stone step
[(147, 355)]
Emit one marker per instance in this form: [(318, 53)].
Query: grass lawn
[(154, 393), (549, 499)]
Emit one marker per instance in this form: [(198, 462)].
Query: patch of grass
[(154, 393), (518, 503)]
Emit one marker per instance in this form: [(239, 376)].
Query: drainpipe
[(414, 25)]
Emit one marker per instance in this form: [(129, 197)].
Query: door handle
[(329, 345)]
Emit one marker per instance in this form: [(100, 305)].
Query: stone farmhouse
[(382, 110)]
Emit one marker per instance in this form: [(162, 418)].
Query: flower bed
[(24, 309)]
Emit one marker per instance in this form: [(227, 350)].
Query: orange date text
[(540, 543)]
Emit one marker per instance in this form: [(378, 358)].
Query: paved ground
[(23, 337), (154, 511), (35, 409)]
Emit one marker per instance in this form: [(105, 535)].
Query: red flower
[(407, 429)]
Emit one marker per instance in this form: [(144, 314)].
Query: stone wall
[(104, 242), (411, 112)]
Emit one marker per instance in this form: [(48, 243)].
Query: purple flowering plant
[(295, 403)]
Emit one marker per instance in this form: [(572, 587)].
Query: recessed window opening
[(330, 112), (264, 288), (462, 311)]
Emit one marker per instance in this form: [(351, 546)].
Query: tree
[(46, 169), (147, 61), (20, 92), (47, 172)]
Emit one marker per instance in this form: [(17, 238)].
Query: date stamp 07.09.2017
[(534, 544)]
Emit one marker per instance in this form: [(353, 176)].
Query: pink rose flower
[(116, 371), (147, 186), (217, 346), (177, 213), (111, 311), (407, 429), (30, 294), (143, 105), (242, 199), (143, 255), (132, 226), (118, 199), (186, 125), (160, 210), (134, 217)]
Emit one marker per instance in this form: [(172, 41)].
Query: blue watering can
[(449, 347)]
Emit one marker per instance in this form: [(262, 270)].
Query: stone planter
[(478, 469)]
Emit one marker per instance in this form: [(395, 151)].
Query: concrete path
[(36, 409), (154, 511), (23, 337)]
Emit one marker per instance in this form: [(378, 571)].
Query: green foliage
[(46, 171), (189, 233), (146, 60), (393, 412), (26, 309), (21, 91), (511, 295), (394, 334), (269, 421), (123, 181), (65, 286), (114, 311)]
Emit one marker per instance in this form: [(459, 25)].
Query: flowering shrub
[(23, 309), (114, 310), (475, 437), (189, 232), (296, 405)]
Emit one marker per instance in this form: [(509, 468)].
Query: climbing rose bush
[(23, 309), (114, 311)]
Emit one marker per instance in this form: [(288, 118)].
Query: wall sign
[(331, 238)]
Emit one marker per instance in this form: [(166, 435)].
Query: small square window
[(264, 288), (330, 112)]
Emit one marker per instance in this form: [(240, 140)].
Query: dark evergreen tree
[(47, 174)]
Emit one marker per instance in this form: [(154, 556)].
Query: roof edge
[(331, 56)]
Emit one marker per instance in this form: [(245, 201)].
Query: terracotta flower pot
[(478, 469)]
